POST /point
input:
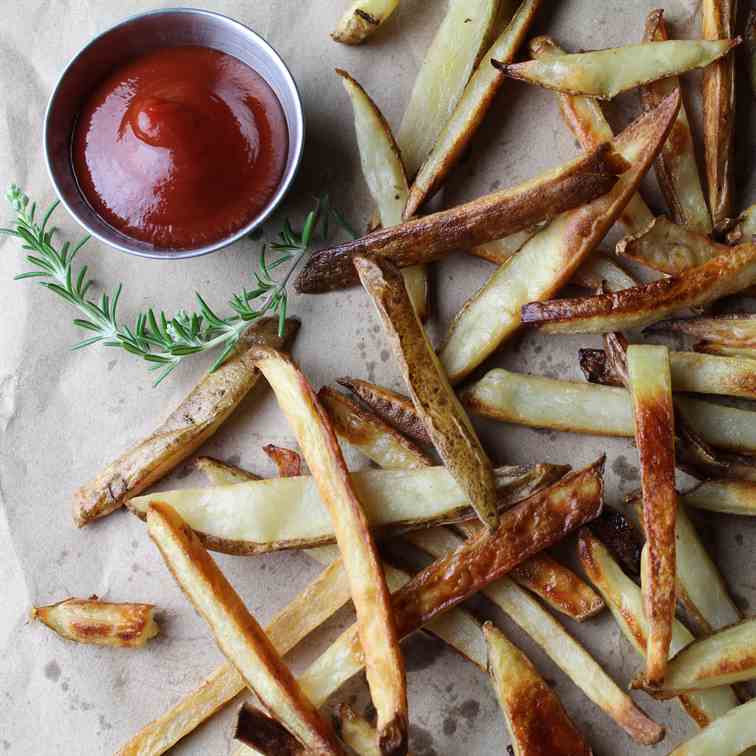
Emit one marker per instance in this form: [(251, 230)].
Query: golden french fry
[(676, 167), (725, 496), (718, 23), (361, 19), (100, 622), (237, 633), (606, 73), (535, 716), (471, 108), (490, 217), (732, 734), (198, 416), (375, 439), (728, 330), (644, 305), (549, 260), (436, 403)]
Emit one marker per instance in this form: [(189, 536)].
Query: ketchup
[(181, 147)]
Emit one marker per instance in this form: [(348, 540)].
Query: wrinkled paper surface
[(64, 414)]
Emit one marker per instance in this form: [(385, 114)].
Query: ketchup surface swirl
[(180, 147)]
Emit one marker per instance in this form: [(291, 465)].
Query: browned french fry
[(549, 260), (287, 461), (265, 735), (237, 633), (100, 622), (535, 716), (703, 461), (361, 19), (493, 216), (718, 23), (198, 416), (728, 330), (644, 305), (397, 410), (471, 108), (585, 119), (650, 386), (436, 403), (384, 665), (676, 168), (606, 73), (368, 433), (622, 539)]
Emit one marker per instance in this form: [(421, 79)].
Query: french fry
[(397, 410), (533, 525), (556, 642), (100, 622), (585, 119), (443, 76), (708, 347), (729, 330), (356, 732), (622, 539), (286, 513), (198, 416), (600, 270), (288, 462), (221, 473), (383, 170), (500, 250), (375, 439), (549, 260), (718, 22), (535, 717), (703, 461), (361, 19), (650, 385), (237, 633), (722, 658), (726, 496), (744, 228), (669, 248), (436, 403), (625, 601), (605, 73), (750, 38), (552, 582), (676, 168), (644, 305), (384, 665), (578, 407), (264, 735), (490, 217), (733, 733), (469, 112)]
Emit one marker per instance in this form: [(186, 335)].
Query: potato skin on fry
[(362, 19)]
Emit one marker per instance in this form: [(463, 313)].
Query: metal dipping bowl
[(134, 37)]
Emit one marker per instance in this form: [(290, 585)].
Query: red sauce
[(180, 147)]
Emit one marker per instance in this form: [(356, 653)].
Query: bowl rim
[(296, 133)]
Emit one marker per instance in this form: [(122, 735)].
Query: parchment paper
[(64, 414)]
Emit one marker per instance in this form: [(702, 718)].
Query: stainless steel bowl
[(132, 38)]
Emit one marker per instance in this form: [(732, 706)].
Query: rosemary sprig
[(161, 340)]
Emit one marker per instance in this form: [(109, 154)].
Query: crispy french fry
[(100, 622), (531, 526), (436, 403), (541, 402), (669, 248), (288, 462), (443, 75), (397, 410), (744, 228), (722, 658), (750, 38), (650, 385), (732, 734), (718, 23), (535, 716), (625, 601), (643, 305), (237, 633), (729, 330), (471, 108), (375, 439), (384, 174), (356, 732), (490, 217), (361, 19), (606, 73), (709, 347), (384, 664), (549, 260), (725, 496), (585, 119), (556, 642), (676, 167), (703, 461), (285, 513), (198, 416), (264, 735)]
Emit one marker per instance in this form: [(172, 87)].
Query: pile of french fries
[(487, 529)]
